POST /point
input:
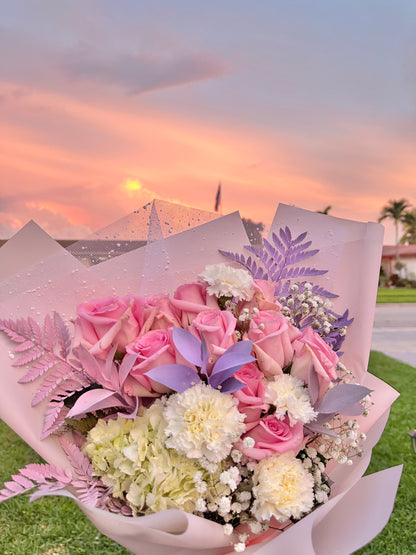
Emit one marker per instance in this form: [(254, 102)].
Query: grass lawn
[(394, 447), (397, 295), (55, 526)]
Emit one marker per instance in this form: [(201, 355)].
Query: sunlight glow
[(132, 185)]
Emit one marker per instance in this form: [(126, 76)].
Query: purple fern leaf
[(295, 258), (278, 244), (286, 236), (62, 372), (274, 253), (300, 248), (230, 255), (256, 272), (257, 251), (39, 368), (282, 289), (289, 273), (323, 292), (278, 258), (268, 255), (49, 333), (300, 238), (63, 335), (36, 352)]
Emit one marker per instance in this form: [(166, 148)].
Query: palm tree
[(409, 227), (394, 210)]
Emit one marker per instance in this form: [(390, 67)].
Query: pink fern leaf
[(89, 490), (62, 372), (54, 418), (39, 368), (22, 326), (19, 485), (24, 346), (70, 386), (63, 335), (49, 334), (41, 473), (88, 493), (44, 477), (36, 352), (10, 329), (24, 482), (36, 331), (80, 463)]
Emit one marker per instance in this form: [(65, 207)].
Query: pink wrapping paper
[(55, 280)]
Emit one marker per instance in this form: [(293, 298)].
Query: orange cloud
[(80, 166)]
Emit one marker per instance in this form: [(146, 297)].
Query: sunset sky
[(107, 103)]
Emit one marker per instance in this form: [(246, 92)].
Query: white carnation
[(202, 423), (283, 488), (289, 396), (226, 281)]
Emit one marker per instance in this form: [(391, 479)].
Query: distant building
[(407, 254)]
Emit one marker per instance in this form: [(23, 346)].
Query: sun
[(132, 185)]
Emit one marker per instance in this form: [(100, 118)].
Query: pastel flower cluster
[(217, 401)]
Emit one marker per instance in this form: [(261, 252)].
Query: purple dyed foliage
[(180, 377)]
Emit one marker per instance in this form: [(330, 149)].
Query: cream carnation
[(226, 281), (282, 488), (203, 423), (290, 398)]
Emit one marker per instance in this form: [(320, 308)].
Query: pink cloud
[(71, 171)]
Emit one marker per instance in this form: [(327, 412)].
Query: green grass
[(55, 526), (49, 526), (396, 295), (394, 447)]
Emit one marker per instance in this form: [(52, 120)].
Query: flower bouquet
[(199, 390)]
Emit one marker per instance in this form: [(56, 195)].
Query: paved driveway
[(394, 331)]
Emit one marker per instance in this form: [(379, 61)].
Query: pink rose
[(190, 299), (263, 297), (251, 397), (274, 436), (272, 335), (108, 321), (218, 328), (159, 313), (313, 354), (154, 348)]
